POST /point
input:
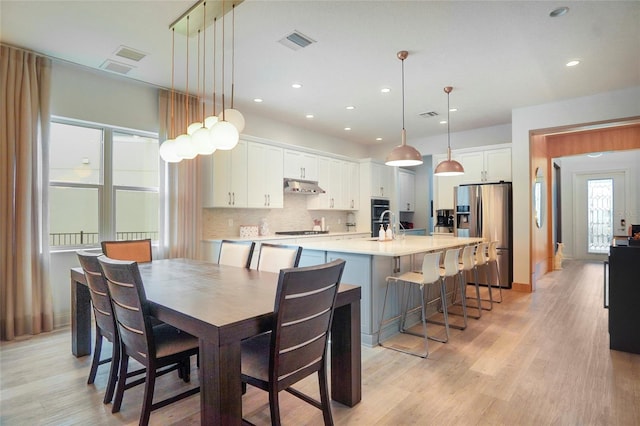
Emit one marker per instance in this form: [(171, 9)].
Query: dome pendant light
[(403, 154), (449, 167)]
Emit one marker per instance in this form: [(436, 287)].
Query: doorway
[(599, 207)]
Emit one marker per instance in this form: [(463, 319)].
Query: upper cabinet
[(341, 182), (406, 190), (300, 165), (265, 172), (491, 165), (226, 183), (381, 180), (443, 185)]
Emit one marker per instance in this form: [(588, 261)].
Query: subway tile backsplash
[(293, 217)]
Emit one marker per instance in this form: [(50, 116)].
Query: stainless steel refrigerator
[(486, 211)]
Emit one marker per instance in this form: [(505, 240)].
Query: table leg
[(346, 361), (80, 319), (220, 385)]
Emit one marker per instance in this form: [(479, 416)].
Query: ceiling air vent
[(428, 114), (129, 53), (117, 67), (296, 40)]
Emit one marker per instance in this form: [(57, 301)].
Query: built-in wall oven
[(378, 206)]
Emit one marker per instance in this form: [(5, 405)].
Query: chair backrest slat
[(135, 250)]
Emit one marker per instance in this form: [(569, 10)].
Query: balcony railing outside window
[(70, 239)]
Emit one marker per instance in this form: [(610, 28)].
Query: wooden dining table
[(222, 305)]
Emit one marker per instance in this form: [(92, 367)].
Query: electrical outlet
[(230, 223)]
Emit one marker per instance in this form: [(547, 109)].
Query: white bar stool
[(430, 275), (450, 269), (468, 264), (481, 263), (492, 260)]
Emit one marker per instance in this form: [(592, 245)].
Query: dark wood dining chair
[(273, 257), (160, 349), (105, 321), (297, 346), (236, 253), (136, 250)]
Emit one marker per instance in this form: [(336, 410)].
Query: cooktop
[(301, 232)]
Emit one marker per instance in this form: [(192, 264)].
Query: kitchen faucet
[(392, 221)]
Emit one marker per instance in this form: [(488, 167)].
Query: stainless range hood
[(304, 187)]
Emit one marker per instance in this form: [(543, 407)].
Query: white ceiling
[(498, 55)]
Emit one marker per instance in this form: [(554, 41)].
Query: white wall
[(627, 161), (588, 109)]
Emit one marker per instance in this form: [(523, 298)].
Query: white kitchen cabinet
[(486, 166), (264, 167), (300, 165), (381, 180), (352, 185), (406, 190), (229, 186), (341, 181)]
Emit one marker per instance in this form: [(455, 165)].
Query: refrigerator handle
[(606, 284), (479, 230)]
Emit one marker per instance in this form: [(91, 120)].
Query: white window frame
[(105, 187)]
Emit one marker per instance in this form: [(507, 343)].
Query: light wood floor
[(536, 359)]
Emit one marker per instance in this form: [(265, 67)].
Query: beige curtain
[(181, 218), (25, 291)]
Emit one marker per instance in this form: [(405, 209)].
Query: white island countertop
[(410, 244)]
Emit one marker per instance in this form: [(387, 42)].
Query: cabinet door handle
[(408, 206), (268, 199), (304, 172), (301, 172), (229, 202), (382, 191), (233, 196)]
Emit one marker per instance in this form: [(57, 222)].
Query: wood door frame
[(546, 144)]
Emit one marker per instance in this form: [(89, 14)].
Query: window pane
[(136, 215), (73, 216), (135, 160), (600, 214), (75, 154)]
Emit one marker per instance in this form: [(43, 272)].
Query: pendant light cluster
[(448, 167), (403, 154), (216, 131)]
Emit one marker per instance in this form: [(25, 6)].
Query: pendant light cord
[(448, 122), (403, 94)]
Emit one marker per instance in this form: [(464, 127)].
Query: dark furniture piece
[(105, 321), (297, 346), (160, 349), (624, 298), (222, 305), (136, 250)]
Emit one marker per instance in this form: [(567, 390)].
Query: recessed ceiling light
[(558, 12), (443, 122), (347, 128), (385, 90), (296, 85), (572, 63), (257, 100), (378, 139), (309, 115), (351, 107), (453, 109)]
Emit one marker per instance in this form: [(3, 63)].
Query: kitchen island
[(369, 262)]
